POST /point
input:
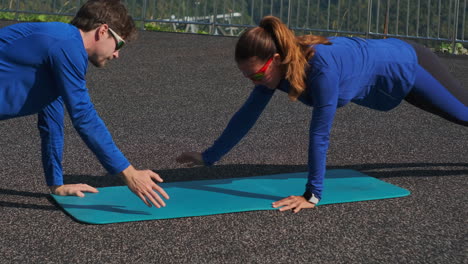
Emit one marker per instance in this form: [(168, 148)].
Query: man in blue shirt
[(42, 70)]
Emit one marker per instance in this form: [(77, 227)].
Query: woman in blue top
[(327, 74), (42, 70)]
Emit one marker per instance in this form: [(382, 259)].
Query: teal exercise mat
[(209, 197)]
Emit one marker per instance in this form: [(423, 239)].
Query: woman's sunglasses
[(260, 74), (119, 40)]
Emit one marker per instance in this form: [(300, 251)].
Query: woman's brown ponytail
[(272, 36)]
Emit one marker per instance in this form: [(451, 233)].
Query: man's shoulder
[(57, 30), (61, 37), (40, 38)]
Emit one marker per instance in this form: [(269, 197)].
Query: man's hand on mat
[(294, 203), (72, 189), (141, 183), (191, 159)]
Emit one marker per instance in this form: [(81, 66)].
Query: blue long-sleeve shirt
[(42, 70), (374, 73)]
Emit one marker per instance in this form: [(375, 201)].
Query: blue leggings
[(436, 90)]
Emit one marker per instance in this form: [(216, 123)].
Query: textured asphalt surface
[(170, 93)]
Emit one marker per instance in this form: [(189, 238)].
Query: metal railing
[(435, 20)]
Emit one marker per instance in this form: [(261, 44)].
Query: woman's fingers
[(283, 202), (182, 158), (190, 159), (294, 203)]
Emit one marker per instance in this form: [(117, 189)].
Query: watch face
[(309, 196), (313, 199)]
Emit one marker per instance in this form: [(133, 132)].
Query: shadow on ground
[(378, 170)]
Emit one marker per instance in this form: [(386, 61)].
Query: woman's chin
[(272, 85)]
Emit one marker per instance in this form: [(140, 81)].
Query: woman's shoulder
[(327, 56)]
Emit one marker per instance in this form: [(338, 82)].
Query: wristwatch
[(309, 196)]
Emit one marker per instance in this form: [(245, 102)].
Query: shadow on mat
[(378, 170), (233, 192), (108, 208)]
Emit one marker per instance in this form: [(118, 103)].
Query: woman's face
[(267, 73)]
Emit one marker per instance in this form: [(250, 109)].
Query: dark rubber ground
[(170, 93)]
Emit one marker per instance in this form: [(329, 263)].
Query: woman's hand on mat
[(294, 203), (141, 183), (72, 189), (191, 159)]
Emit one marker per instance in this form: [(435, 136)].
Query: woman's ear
[(277, 58)]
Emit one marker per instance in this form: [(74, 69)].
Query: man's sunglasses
[(260, 74), (119, 40)]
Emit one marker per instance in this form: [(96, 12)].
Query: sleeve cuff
[(311, 190)]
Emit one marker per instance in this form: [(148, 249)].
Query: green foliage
[(448, 48), (161, 27), (7, 16), (167, 27), (414, 18), (34, 17)]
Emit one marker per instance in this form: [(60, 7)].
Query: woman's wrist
[(309, 196)]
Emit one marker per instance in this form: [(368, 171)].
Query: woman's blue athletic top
[(374, 73), (43, 67)]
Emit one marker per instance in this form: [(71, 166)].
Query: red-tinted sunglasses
[(260, 74)]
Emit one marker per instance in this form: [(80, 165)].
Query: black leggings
[(436, 90)]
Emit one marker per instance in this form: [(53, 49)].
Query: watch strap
[(309, 196)]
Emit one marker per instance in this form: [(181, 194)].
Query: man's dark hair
[(111, 12)]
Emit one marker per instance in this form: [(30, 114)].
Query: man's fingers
[(143, 185), (157, 188), (74, 189), (156, 176), (152, 196), (158, 199), (142, 197), (153, 201), (161, 191), (88, 188)]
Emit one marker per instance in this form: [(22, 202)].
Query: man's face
[(106, 47)]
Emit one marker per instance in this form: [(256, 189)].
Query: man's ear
[(101, 31)]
